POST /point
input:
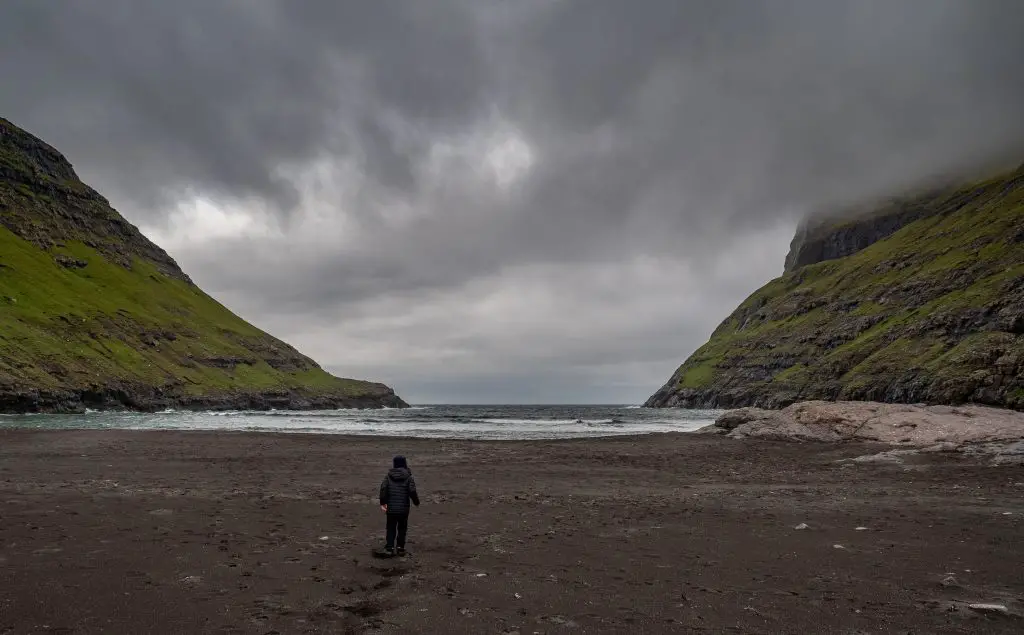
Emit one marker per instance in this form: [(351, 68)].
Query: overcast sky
[(503, 200)]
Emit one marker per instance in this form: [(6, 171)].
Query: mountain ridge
[(921, 299), (95, 315)]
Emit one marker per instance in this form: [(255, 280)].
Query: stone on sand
[(989, 608), (938, 428)]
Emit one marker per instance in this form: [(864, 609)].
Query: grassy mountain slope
[(92, 314), (933, 312)]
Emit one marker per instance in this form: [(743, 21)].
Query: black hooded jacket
[(398, 488)]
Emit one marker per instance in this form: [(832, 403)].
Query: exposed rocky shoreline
[(910, 428)]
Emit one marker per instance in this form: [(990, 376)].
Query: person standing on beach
[(397, 490)]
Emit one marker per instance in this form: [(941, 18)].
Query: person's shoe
[(400, 551), (388, 552)]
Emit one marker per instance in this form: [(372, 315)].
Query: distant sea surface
[(450, 422)]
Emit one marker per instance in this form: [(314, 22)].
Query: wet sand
[(171, 532)]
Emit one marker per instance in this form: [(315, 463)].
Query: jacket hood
[(399, 473)]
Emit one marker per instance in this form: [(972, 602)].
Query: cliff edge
[(916, 300), (93, 314)]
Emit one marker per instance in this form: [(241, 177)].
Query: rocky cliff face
[(93, 314), (846, 233), (920, 300), (45, 204)]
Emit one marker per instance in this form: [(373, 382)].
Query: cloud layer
[(545, 200)]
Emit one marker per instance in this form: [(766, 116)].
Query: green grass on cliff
[(928, 311), (103, 323), (90, 307)]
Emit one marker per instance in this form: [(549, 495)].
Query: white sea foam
[(521, 422), (467, 422)]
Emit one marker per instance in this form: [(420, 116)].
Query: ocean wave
[(326, 414), (492, 422), (518, 422)]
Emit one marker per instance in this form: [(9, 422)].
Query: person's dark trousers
[(397, 524)]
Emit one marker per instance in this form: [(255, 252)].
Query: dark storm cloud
[(159, 97), (672, 130), (716, 105), (741, 109)]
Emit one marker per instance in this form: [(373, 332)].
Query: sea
[(434, 421)]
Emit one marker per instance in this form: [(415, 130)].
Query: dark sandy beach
[(169, 532)]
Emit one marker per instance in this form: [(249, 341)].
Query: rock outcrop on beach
[(93, 314), (995, 432), (905, 424), (919, 300)]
